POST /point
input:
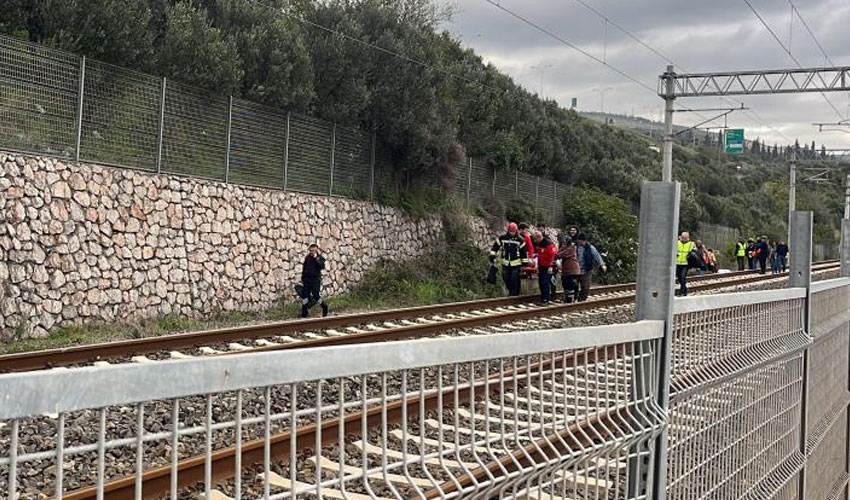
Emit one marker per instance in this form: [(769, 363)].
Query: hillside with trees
[(436, 103)]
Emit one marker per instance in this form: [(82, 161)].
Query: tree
[(192, 50), (610, 227)]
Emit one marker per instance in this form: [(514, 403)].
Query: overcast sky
[(699, 35)]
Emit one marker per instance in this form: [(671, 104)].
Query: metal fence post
[(229, 125), (469, 183), (286, 154), (161, 127), (659, 221), (82, 91), (844, 251), (372, 171), (333, 148), (554, 201), (493, 187), (536, 193), (801, 276)]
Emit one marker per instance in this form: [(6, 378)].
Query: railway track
[(376, 326), (517, 409)]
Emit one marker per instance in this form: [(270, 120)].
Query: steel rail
[(191, 471), (36, 360)]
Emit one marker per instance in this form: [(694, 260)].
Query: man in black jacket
[(311, 281)]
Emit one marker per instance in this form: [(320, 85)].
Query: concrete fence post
[(801, 277), (659, 221)]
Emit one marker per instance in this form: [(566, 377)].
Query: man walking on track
[(511, 249), (546, 251), (684, 248), (588, 258), (311, 281)]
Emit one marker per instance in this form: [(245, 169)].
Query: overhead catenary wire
[(573, 46), (787, 50), (669, 60), (811, 33)]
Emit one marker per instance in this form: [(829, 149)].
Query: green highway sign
[(733, 140)]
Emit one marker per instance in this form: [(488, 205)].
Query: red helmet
[(512, 227)]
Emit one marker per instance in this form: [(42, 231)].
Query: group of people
[(762, 251), (523, 252), (694, 255)]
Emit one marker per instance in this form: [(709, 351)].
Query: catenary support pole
[(847, 198), (845, 248), (792, 191), (659, 221), (845, 273), (667, 151), (801, 276)]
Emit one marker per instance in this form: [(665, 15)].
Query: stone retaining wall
[(82, 243)]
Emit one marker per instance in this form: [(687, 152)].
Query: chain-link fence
[(60, 104)]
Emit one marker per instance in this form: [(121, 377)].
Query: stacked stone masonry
[(85, 243)]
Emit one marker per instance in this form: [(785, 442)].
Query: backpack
[(695, 259)]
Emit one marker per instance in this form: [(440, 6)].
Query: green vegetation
[(272, 52), (606, 221), (447, 274)]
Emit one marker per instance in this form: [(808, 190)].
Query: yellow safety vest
[(741, 250), (683, 249)]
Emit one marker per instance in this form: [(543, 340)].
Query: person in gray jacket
[(588, 258)]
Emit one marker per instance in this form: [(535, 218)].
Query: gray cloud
[(698, 35)]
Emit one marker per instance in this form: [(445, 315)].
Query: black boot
[(305, 310), (324, 309)]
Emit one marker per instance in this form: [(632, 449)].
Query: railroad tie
[(236, 346), (443, 445), (209, 351), (265, 343), (314, 336), (179, 355), (397, 455), (310, 489), (330, 465)]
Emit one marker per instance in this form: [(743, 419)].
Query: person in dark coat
[(762, 252), (311, 281)]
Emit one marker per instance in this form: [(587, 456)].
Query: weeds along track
[(396, 324)]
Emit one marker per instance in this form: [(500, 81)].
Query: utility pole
[(667, 148), (792, 191), (847, 198)]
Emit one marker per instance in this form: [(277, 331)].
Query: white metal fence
[(758, 385), (60, 104)]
